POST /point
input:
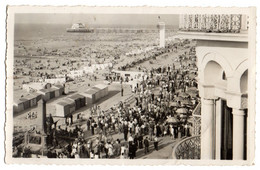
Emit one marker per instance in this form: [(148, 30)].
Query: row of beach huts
[(65, 105)]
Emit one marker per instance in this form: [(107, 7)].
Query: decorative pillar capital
[(208, 101), (238, 112)]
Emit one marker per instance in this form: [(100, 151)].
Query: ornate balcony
[(188, 148), (218, 23)]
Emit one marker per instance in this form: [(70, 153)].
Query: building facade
[(222, 59)]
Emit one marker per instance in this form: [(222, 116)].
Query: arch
[(213, 73), (241, 68), (213, 56), (244, 82)]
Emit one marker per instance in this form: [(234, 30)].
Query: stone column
[(207, 111), (181, 21), (243, 24), (238, 134), (218, 129), (42, 115)]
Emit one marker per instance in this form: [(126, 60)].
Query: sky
[(97, 19)]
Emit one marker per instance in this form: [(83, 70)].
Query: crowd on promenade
[(164, 94), (163, 102)]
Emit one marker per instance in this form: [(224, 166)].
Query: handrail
[(197, 108), (188, 148)]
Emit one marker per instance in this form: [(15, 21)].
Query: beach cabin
[(33, 98), (56, 80), (59, 90), (52, 92), (80, 100), (30, 87), (102, 90), (62, 109), (18, 106), (26, 103), (71, 103), (90, 95), (45, 94)]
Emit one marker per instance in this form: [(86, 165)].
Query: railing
[(197, 110), (188, 148), (221, 23), (196, 116)]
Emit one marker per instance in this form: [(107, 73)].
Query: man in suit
[(146, 145)]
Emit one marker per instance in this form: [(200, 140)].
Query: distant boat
[(79, 27)]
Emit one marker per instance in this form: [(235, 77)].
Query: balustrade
[(196, 117), (188, 148), (224, 23)]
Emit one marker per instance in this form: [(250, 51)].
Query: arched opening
[(244, 82), (214, 74)]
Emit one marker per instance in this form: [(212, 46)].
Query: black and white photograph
[(151, 85)]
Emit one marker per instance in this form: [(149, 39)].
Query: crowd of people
[(163, 102), (141, 123)]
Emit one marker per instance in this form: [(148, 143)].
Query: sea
[(32, 31)]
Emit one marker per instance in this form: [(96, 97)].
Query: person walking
[(125, 128), (155, 143), (122, 91), (146, 145), (131, 152), (140, 141)]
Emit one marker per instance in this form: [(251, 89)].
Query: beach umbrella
[(192, 93), (182, 110), (186, 102), (192, 89), (183, 94), (183, 116), (179, 98), (172, 120), (174, 104), (192, 76)]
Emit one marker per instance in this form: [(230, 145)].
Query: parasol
[(184, 95), (179, 98), (186, 102), (172, 120), (174, 104), (182, 110), (192, 89), (193, 92), (192, 76)]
